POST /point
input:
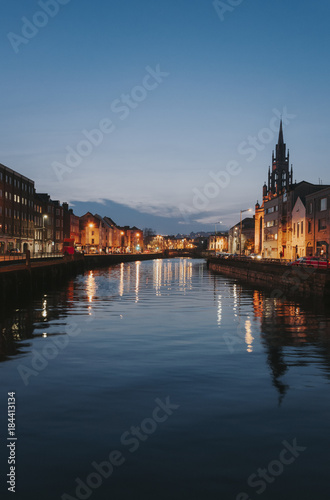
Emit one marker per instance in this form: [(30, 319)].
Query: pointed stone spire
[(280, 147), (280, 135)]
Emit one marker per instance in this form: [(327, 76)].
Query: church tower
[(280, 176)]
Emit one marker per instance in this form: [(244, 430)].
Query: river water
[(161, 380)]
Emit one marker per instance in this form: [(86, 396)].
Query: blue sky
[(222, 80)]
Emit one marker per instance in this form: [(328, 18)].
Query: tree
[(148, 235)]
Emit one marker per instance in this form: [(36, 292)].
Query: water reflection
[(286, 328), (90, 286), (137, 280), (248, 336), (158, 330), (30, 322), (281, 329)]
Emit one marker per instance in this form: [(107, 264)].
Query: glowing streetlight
[(44, 217)]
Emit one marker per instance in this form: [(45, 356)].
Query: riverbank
[(25, 279), (283, 280)]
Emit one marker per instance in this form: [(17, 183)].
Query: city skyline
[(141, 115)]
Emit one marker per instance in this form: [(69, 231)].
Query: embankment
[(281, 279)]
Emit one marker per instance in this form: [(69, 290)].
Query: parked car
[(255, 256), (316, 262), (224, 255), (13, 251)]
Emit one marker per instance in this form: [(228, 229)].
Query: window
[(302, 227), (92, 241), (322, 224), (298, 229), (310, 207), (294, 228), (323, 204)]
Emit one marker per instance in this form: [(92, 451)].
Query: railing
[(17, 257)]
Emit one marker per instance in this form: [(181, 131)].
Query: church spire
[(280, 135), (281, 146)]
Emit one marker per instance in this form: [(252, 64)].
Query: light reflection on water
[(248, 372)]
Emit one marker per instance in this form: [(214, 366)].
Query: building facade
[(298, 230), (16, 211), (276, 233), (318, 223), (218, 243), (246, 239)]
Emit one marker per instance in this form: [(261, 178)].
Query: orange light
[(91, 225)]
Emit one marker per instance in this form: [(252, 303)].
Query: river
[(161, 380)]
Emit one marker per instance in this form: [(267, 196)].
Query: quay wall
[(281, 279)]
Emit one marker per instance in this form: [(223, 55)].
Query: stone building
[(247, 238), (49, 224), (273, 219), (298, 229), (16, 211), (71, 225), (318, 222), (218, 242)]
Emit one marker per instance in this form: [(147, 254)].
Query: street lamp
[(122, 241), (44, 217), (240, 231), (215, 235)]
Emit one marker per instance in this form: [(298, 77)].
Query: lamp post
[(122, 241), (44, 217), (215, 235), (137, 246), (240, 230)]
